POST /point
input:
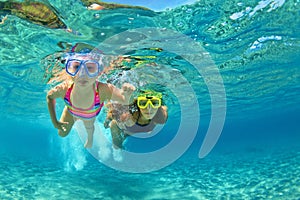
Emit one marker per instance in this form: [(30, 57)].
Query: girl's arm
[(110, 92), (52, 95)]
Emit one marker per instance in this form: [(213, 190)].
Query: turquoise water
[(250, 49)]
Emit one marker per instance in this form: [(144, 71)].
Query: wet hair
[(150, 93)]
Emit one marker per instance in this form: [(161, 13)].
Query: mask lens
[(73, 66), (142, 103), (155, 103), (92, 67)]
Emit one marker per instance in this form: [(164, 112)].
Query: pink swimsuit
[(88, 113)]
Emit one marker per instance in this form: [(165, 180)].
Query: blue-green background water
[(256, 47)]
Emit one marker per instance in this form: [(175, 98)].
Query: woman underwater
[(142, 115)]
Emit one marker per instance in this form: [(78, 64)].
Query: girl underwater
[(83, 94)]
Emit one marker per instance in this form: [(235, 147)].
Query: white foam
[(73, 151), (102, 148), (101, 143), (117, 155)]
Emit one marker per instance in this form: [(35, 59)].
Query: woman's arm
[(161, 115), (126, 119), (120, 113)]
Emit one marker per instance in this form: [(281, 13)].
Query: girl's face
[(82, 79), (149, 112), (84, 70)]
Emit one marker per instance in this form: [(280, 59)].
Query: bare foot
[(89, 141), (90, 137), (88, 144)]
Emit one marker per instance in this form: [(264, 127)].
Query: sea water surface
[(255, 48)]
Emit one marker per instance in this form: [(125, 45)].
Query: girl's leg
[(66, 117), (89, 126)]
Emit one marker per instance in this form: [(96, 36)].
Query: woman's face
[(148, 105), (149, 112)]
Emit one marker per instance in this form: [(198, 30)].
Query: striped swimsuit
[(87, 113)]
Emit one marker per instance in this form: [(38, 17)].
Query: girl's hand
[(122, 95), (61, 126)]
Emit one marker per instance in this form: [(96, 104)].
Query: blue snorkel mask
[(91, 67), (88, 58)]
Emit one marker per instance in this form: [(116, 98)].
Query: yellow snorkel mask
[(149, 97)]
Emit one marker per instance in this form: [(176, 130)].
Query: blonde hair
[(59, 77)]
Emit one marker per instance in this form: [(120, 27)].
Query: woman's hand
[(127, 90), (127, 119)]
